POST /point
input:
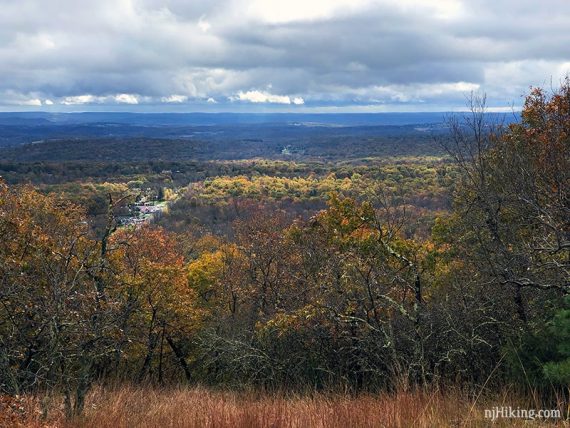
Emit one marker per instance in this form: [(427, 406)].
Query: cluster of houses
[(142, 212)]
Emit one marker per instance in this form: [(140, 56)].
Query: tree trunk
[(178, 352)]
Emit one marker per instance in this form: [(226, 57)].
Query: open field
[(200, 407)]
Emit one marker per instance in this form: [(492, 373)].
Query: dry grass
[(199, 407)]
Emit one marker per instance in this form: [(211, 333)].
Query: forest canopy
[(351, 295)]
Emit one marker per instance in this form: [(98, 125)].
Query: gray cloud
[(354, 54)]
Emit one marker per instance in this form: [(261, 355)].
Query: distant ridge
[(341, 119)]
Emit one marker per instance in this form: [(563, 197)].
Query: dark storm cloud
[(231, 53)]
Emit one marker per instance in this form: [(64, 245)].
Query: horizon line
[(488, 110)]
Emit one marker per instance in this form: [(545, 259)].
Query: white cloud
[(204, 25), (48, 102), (211, 101), (406, 93), (439, 9), (279, 11), (32, 102), (174, 99), (265, 97), (126, 99), (92, 99), (333, 52), (446, 88), (80, 99)]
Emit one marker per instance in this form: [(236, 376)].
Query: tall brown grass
[(129, 406)]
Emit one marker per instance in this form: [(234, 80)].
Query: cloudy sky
[(277, 55)]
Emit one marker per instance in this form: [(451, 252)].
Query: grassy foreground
[(199, 407)]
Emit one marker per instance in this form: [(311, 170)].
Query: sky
[(278, 55)]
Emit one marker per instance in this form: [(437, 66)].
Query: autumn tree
[(507, 242), (512, 205), (334, 300), (159, 313), (57, 323), (75, 308)]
